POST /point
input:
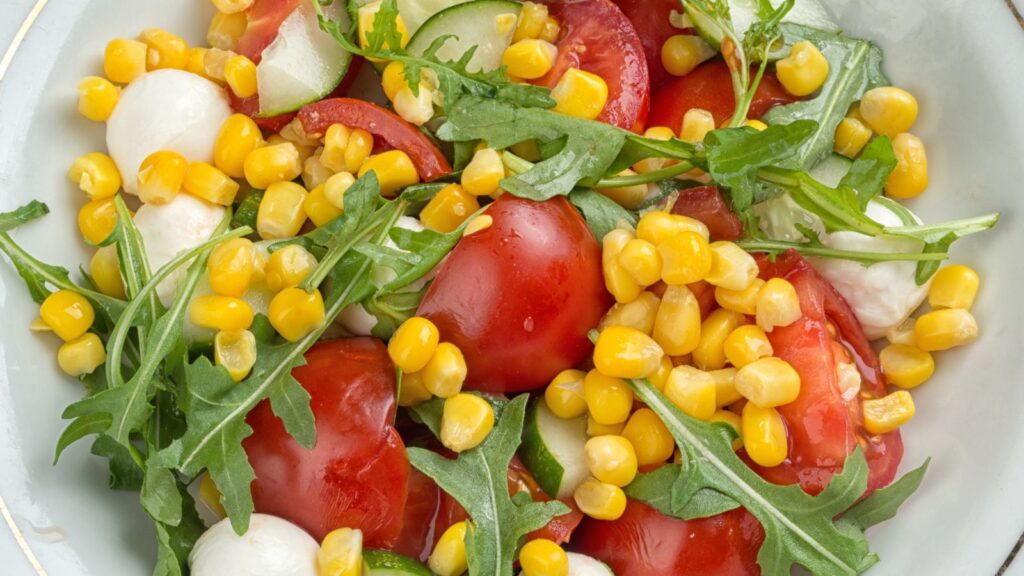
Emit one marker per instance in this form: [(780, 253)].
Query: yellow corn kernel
[(594, 428), (215, 61), (414, 344), (910, 178), (67, 313), (725, 386), (197, 61), (449, 209), (551, 30), (747, 344), (889, 110), (954, 286), (609, 399), (295, 313), (659, 226), (883, 415), (366, 15), (616, 279), (97, 219), (532, 19), (732, 420), (564, 395), (124, 60), (281, 214), (295, 133), (207, 182), (96, 175), (97, 98), (272, 164), (239, 136), (466, 421), (221, 312), (164, 50), (335, 188), (319, 210), (686, 258), (642, 261), (764, 435), (240, 74), (83, 355), (652, 164), (504, 23), (906, 366), (697, 122), (611, 459), (529, 58), (232, 6), (288, 267), (580, 94), (681, 53), (626, 353), (777, 304), (660, 377), (235, 350), (732, 267), (851, 137), (651, 440), (415, 107), (341, 553), (445, 371), (358, 144), (542, 557), (392, 79), (692, 391), (945, 329), (231, 267), (742, 301), (105, 271), (903, 333), (211, 496), (756, 125), (677, 325), (484, 173), (638, 314), (804, 71), (413, 392), (161, 177), (478, 224), (710, 352), (629, 197), (226, 28), (314, 173), (599, 500), (768, 382), (449, 555), (394, 170)]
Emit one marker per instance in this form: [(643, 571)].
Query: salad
[(434, 287)]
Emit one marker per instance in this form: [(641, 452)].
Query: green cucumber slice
[(415, 12), (470, 24), (582, 565), (552, 450), (386, 563), (831, 170), (809, 13), (303, 64)]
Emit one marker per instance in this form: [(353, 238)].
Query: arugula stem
[(777, 246), (647, 177)]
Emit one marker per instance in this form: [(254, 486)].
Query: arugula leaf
[(838, 208), (247, 210), (476, 479), (601, 213), (871, 170), (883, 504), (656, 488), (814, 247), (175, 542), (22, 215), (392, 309), (125, 473)]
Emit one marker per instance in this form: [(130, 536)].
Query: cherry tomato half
[(356, 475), (650, 18), (519, 297), (265, 18), (706, 203)]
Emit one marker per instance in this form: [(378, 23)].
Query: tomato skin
[(265, 18), (356, 475), (709, 86), (706, 203), (384, 125), (519, 297), (644, 542), (650, 18), (597, 37)]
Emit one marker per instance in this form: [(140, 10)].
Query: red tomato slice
[(650, 18), (823, 426), (706, 203), (265, 18), (598, 38), (709, 87), (356, 475), (519, 297), (643, 542), (384, 125)]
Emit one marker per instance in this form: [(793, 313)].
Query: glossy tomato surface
[(644, 542), (265, 18), (387, 128), (706, 203), (596, 37), (356, 475), (519, 297), (650, 18), (709, 87)]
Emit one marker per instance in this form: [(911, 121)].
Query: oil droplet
[(528, 324)]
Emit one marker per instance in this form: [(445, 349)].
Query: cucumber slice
[(552, 450), (386, 563), (809, 13), (831, 170), (415, 12), (303, 64), (472, 24), (582, 565)]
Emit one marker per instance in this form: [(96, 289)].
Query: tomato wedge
[(706, 203), (596, 37), (265, 18), (385, 126), (709, 87), (650, 18)]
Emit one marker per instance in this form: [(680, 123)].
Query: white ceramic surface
[(962, 59)]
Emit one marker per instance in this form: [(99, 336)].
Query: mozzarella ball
[(271, 547), (165, 110)]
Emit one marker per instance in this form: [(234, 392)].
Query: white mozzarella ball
[(271, 547), (165, 110)]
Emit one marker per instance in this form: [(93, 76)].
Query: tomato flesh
[(356, 475), (265, 18), (597, 37), (706, 203), (519, 297), (650, 18)]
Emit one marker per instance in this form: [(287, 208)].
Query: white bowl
[(962, 59)]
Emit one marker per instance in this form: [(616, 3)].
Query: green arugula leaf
[(656, 490), (477, 480), (813, 247), (125, 473), (883, 504), (601, 213), (871, 170), (247, 210), (175, 542), (838, 208), (392, 309), (22, 215)]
